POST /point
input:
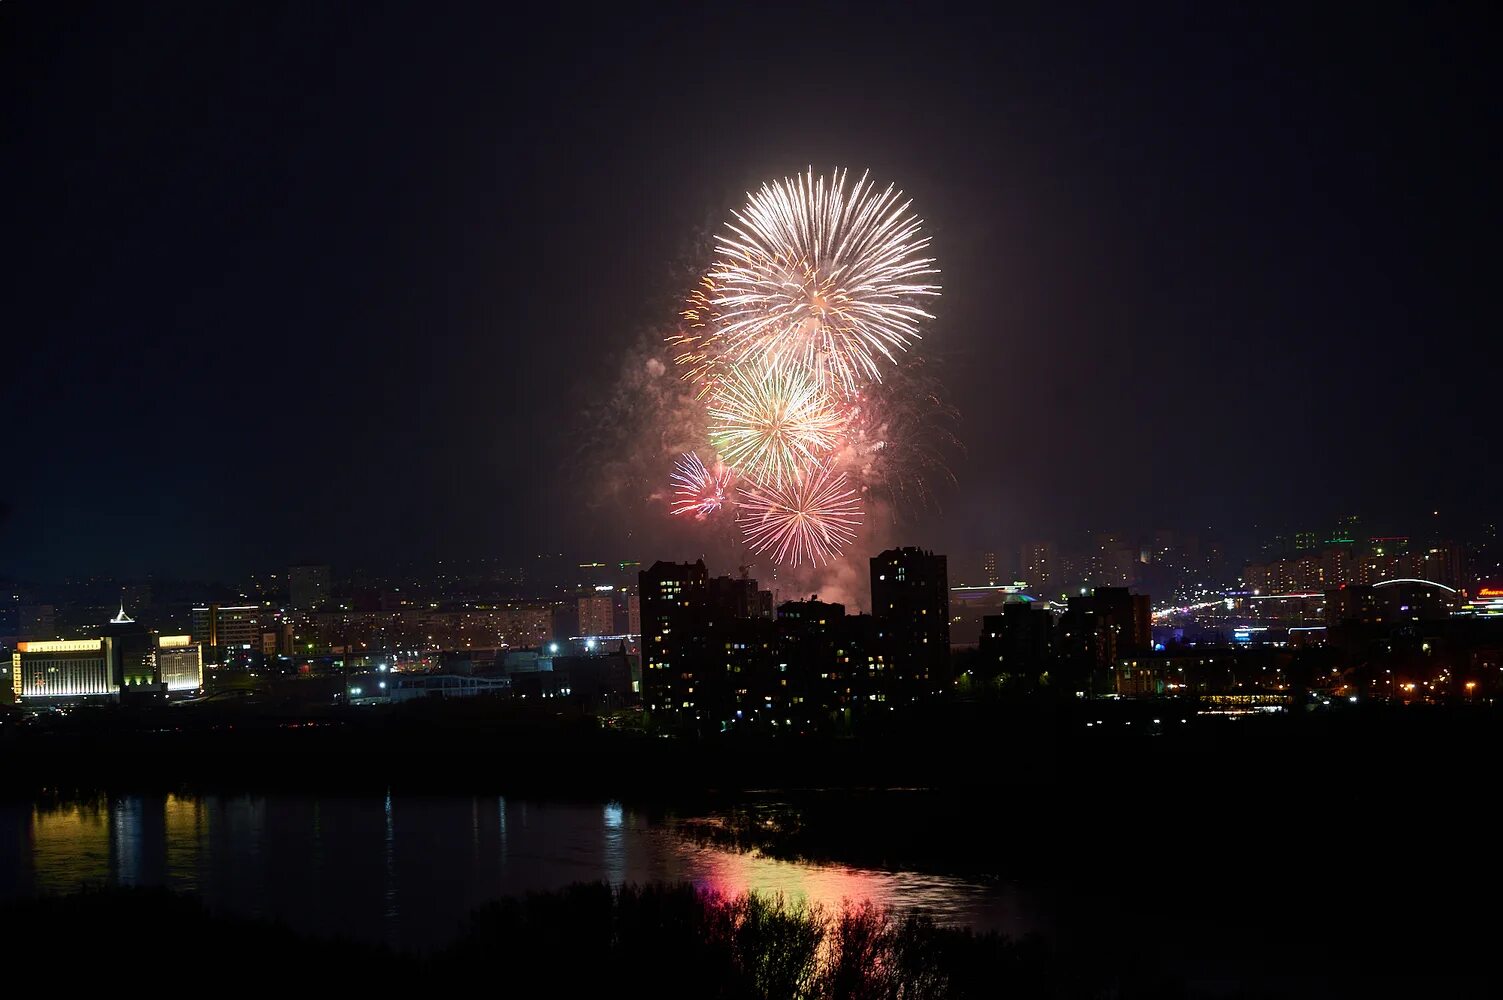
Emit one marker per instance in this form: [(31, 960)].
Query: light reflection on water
[(407, 870)]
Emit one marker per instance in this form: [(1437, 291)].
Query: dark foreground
[(586, 940), (1347, 852)]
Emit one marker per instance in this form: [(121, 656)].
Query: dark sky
[(334, 282)]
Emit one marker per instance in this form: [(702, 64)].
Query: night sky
[(340, 282)]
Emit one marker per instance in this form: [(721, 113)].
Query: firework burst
[(797, 345), (818, 274), (811, 518), (771, 422), (698, 490)]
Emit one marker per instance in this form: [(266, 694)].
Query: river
[(407, 870)]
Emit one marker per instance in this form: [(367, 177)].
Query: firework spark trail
[(773, 421), (809, 519), (698, 342), (698, 490)]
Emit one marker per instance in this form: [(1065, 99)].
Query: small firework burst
[(697, 489)]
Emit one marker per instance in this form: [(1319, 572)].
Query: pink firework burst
[(698, 490)]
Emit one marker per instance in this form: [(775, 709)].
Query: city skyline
[(751, 501), (282, 317), (1175, 568), (976, 560)]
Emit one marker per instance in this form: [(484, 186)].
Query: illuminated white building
[(126, 657), (64, 668), (180, 663)]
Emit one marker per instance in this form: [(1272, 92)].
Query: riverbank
[(585, 940), (1039, 747)]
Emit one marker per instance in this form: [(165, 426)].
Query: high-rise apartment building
[(1040, 565), (1113, 561), (1099, 628), (675, 664), (237, 634), (1019, 642), (911, 605), (597, 614)]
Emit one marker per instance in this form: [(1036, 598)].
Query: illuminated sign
[(1490, 592), (166, 641), (61, 646)]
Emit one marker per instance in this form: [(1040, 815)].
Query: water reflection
[(615, 844), (408, 870), (69, 846)]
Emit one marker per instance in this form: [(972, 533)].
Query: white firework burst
[(821, 275)]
